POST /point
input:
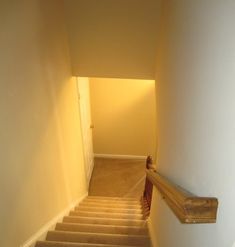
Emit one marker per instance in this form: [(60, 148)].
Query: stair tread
[(97, 228), (85, 204), (109, 205), (114, 198), (105, 219), (100, 234), (102, 238), (112, 201), (108, 227), (67, 244), (99, 218), (103, 209), (106, 215)]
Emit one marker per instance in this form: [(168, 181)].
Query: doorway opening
[(118, 119)]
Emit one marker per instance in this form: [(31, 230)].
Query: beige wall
[(40, 139), (196, 117), (113, 39), (123, 112)]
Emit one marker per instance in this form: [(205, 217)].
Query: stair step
[(114, 198), (133, 230), (110, 205), (108, 209), (112, 201), (67, 244), (106, 215), (99, 238), (103, 221)]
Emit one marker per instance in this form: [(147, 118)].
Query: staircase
[(101, 221)]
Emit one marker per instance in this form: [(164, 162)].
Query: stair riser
[(106, 215), (103, 221), (109, 210), (102, 229), (98, 238)]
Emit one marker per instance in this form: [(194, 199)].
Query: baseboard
[(120, 156), (152, 235), (41, 234)]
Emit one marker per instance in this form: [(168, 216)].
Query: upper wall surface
[(196, 117), (113, 39), (41, 161)]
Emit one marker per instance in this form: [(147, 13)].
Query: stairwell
[(102, 221)]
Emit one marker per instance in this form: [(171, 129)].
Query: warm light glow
[(123, 113)]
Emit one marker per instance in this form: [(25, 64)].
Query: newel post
[(148, 190)]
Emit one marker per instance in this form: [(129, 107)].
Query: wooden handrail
[(186, 206)]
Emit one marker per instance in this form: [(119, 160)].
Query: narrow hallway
[(85, 85)]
